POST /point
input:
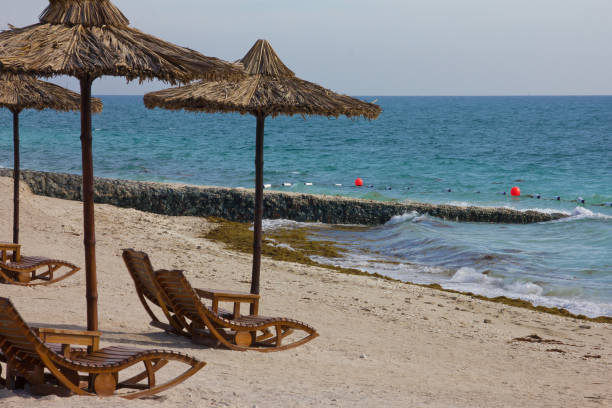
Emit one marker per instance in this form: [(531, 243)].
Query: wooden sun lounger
[(142, 273), (21, 270), (68, 370), (141, 270), (237, 332)]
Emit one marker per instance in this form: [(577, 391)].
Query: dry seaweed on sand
[(534, 338)]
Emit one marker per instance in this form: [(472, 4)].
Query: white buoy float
[(308, 184), (287, 184), (267, 185)]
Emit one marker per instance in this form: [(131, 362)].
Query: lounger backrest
[(141, 270), (181, 295), (15, 334)]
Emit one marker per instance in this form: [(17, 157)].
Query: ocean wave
[(581, 213), (529, 291), (534, 269), (541, 210), (400, 219), (578, 213), (467, 279)]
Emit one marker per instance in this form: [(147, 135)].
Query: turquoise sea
[(459, 150)]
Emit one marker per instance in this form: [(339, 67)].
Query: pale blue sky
[(389, 47)]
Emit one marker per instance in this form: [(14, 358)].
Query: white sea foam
[(470, 275), (581, 213), (540, 210), (271, 225), (462, 204), (467, 279), (398, 219), (277, 244)]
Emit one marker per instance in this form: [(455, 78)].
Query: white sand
[(381, 343)]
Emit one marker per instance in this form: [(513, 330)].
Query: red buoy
[(358, 182), (515, 192)]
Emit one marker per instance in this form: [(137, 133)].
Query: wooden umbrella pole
[(16, 175), (257, 229), (88, 205)]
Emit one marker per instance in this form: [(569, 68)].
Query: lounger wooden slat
[(28, 356), (16, 269)]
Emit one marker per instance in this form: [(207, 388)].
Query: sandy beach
[(381, 343)]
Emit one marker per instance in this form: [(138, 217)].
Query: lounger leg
[(10, 376), (105, 384), (243, 338), (279, 335)]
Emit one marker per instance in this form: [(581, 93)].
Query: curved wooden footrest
[(34, 271)]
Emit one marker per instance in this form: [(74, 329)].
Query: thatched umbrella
[(271, 89), (19, 92), (88, 39)]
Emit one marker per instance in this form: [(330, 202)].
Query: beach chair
[(61, 370), (236, 332), (141, 270), (21, 270)]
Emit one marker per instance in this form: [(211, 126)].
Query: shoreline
[(238, 237), (237, 204)]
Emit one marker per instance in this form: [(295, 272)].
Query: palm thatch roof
[(20, 91), (270, 89), (92, 37)]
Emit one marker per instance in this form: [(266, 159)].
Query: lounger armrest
[(210, 293), (230, 296), (5, 247), (70, 337)]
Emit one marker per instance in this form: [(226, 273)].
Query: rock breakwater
[(237, 204)]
